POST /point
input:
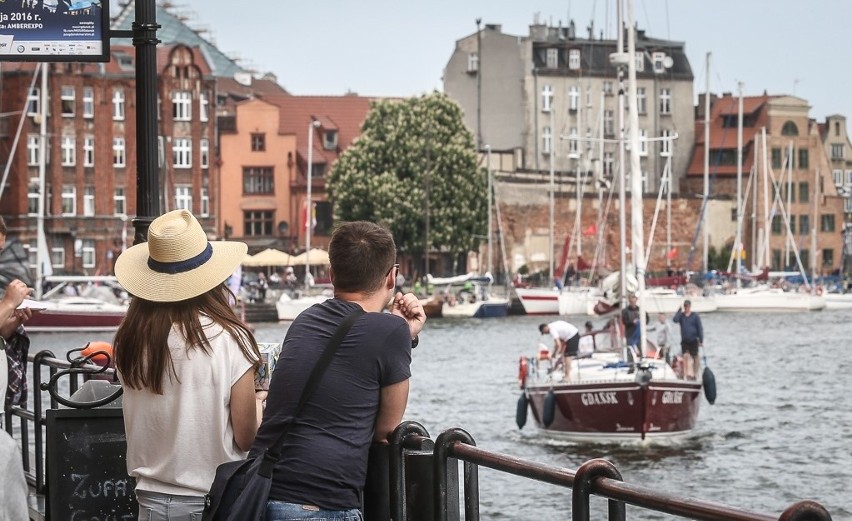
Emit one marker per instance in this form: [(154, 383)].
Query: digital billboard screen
[(54, 30)]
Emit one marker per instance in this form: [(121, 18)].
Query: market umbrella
[(317, 257), (268, 257)]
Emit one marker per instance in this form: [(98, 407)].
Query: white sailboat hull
[(539, 301), (769, 299)]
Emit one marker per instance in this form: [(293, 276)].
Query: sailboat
[(608, 395)]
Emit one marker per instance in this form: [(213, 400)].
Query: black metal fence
[(414, 478)]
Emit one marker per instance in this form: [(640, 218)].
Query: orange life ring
[(522, 371), (98, 347)]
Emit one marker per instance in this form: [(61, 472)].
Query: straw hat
[(177, 262)]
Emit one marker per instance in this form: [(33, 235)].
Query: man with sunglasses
[(363, 393)]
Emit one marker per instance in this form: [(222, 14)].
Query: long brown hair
[(141, 342)]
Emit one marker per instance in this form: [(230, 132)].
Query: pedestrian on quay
[(187, 366), (361, 396), (566, 342), (691, 338)]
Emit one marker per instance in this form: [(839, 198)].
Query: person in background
[(363, 393), (587, 341), (630, 320), (566, 342), (691, 338), (187, 366), (400, 282), (664, 338)]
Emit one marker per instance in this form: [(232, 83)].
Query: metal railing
[(410, 446)]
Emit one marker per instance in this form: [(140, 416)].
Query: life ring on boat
[(102, 352), (523, 366), (543, 352)]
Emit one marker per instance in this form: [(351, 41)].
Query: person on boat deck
[(187, 364), (630, 320), (586, 346), (691, 337), (664, 337), (566, 342), (363, 393)]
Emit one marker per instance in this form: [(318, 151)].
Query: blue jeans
[(281, 511), (154, 506)]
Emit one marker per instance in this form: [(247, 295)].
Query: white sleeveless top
[(176, 440)]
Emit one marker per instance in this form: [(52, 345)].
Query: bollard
[(407, 436), (805, 511), (583, 485), (377, 487)]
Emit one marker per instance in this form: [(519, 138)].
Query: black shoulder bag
[(240, 489)]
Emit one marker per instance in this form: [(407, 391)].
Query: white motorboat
[(765, 298), (289, 307)]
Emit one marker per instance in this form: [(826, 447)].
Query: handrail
[(595, 477)]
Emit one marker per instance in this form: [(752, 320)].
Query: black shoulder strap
[(274, 450)]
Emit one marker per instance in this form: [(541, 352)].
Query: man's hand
[(408, 307), (10, 325), (16, 292)]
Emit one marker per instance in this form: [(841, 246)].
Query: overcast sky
[(400, 47)]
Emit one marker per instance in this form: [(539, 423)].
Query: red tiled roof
[(344, 113)]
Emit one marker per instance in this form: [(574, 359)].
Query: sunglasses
[(392, 268)]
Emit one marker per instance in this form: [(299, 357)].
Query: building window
[(473, 62), (203, 107), (776, 158), (573, 143), (182, 105), (789, 129), (665, 101), (640, 61), (183, 197), (643, 142), (33, 102), (89, 151), (329, 141), (69, 200), (826, 223), (837, 176), (89, 201), (776, 225), (89, 253), (57, 257), (666, 143), (119, 202), (33, 142), (258, 180), (88, 105), (659, 62), (803, 158), (204, 146), (609, 123), (546, 140), (258, 142), (641, 100), (546, 98), (607, 87), (804, 224), (803, 192), (776, 259), (792, 224), (573, 98), (118, 104), (32, 257), (182, 152), (69, 151), (837, 151), (258, 223), (68, 98), (608, 162), (205, 202), (552, 58), (574, 59), (119, 153), (33, 194), (827, 257)]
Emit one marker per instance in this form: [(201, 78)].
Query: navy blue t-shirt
[(324, 460)]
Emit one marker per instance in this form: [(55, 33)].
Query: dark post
[(147, 186)]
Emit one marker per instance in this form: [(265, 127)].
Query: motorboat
[(766, 298), (75, 313), (668, 301), (289, 306), (469, 296)]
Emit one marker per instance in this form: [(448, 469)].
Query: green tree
[(406, 149)]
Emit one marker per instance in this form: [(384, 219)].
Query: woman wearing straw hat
[(186, 363)]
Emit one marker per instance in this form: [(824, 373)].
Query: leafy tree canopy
[(408, 149)]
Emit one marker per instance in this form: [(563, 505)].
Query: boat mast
[(706, 161), (41, 240), (490, 205), (637, 223), (738, 243), (551, 237), (622, 60)]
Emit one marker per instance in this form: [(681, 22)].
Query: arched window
[(789, 129)]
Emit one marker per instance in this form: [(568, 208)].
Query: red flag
[(582, 264), (672, 254), (591, 230)]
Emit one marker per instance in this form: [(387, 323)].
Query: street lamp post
[(308, 205)]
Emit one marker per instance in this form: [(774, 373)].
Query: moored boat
[(764, 298), (289, 307), (76, 314)]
